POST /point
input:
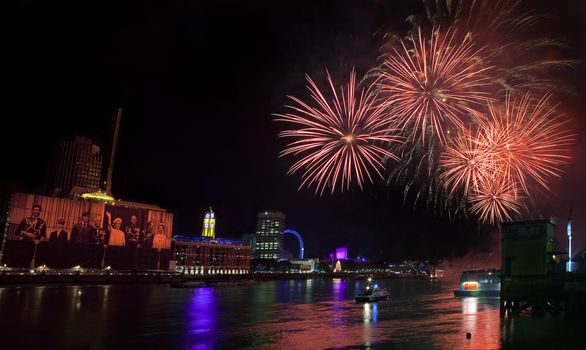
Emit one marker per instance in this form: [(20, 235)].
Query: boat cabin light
[(470, 285)]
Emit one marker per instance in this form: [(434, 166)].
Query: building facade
[(269, 235), (77, 165), (204, 256)]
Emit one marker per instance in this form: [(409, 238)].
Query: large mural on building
[(62, 231)]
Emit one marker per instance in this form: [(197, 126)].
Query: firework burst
[(340, 141), (464, 163), (433, 83), (522, 57), (518, 149), (528, 140), (495, 201)]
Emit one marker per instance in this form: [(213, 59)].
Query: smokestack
[(113, 153)]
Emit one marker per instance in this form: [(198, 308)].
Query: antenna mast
[(113, 152)]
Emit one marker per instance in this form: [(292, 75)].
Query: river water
[(293, 314)]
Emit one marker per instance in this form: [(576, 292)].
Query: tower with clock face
[(209, 224)]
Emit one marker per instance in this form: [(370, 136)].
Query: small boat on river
[(372, 292)]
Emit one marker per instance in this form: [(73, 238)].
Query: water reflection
[(202, 315), (370, 313), (338, 289), (278, 314)]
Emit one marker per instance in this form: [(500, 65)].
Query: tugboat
[(372, 292), (480, 283)]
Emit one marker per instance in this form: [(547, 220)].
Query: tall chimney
[(113, 152)]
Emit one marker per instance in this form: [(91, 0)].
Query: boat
[(480, 283), (372, 292)]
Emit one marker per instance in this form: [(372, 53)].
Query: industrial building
[(532, 277)]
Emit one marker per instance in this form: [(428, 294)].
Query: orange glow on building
[(470, 285)]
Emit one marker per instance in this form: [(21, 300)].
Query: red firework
[(528, 140), (495, 200), (431, 83), (519, 147), (464, 163), (340, 140)]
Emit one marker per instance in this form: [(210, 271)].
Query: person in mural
[(59, 235), (100, 232), (116, 236), (147, 236), (160, 239), (83, 232), (32, 227), (133, 232)]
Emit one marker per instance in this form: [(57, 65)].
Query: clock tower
[(209, 224)]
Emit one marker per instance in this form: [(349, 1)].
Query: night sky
[(198, 81)]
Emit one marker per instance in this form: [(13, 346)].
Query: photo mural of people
[(59, 235), (65, 232), (160, 239), (100, 231), (83, 232), (140, 226), (133, 232), (147, 236), (32, 227), (116, 236)]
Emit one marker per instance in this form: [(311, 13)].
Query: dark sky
[(198, 81)]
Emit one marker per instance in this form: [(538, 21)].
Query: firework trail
[(528, 139), (464, 163), (340, 141), (433, 83), (518, 149), (522, 57), (434, 87), (495, 201)]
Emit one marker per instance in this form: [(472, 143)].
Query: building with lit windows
[(209, 224), (77, 164), (269, 235), (204, 256)]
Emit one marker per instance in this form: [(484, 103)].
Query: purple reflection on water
[(338, 289), (201, 311)]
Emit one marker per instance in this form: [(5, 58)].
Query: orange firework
[(341, 140), (433, 82), (464, 163), (518, 148), (495, 201), (528, 140)]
